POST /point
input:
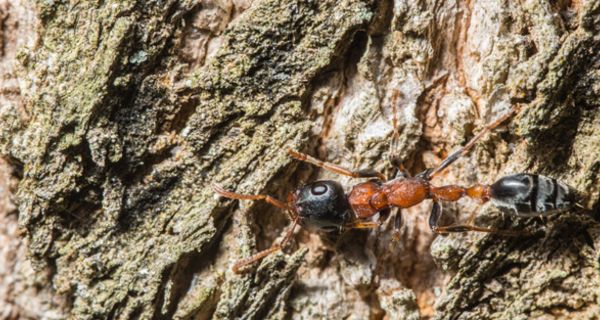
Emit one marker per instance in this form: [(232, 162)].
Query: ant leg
[(386, 217), (262, 254), (395, 134), (362, 225), (395, 161), (434, 217), (464, 150), (436, 213), (397, 225), (365, 173), (472, 217), (232, 195), (467, 227)]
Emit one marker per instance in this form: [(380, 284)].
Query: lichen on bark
[(121, 146)]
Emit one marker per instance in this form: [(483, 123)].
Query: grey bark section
[(122, 137)]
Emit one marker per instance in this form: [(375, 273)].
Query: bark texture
[(122, 114)]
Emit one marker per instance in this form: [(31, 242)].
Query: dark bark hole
[(355, 52)]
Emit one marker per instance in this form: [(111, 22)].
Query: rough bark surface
[(116, 117)]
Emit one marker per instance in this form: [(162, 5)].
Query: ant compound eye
[(318, 189)]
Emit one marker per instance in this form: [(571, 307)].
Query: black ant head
[(322, 205)]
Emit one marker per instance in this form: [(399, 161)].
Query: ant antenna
[(276, 247), (262, 254)]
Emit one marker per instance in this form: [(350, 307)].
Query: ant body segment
[(324, 206)]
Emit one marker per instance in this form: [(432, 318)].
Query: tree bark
[(124, 113)]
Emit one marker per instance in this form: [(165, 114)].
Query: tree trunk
[(117, 116)]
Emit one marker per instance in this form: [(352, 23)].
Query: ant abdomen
[(531, 194)]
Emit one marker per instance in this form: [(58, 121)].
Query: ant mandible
[(324, 206)]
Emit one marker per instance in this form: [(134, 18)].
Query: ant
[(324, 206)]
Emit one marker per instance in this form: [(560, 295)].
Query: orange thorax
[(368, 198)]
